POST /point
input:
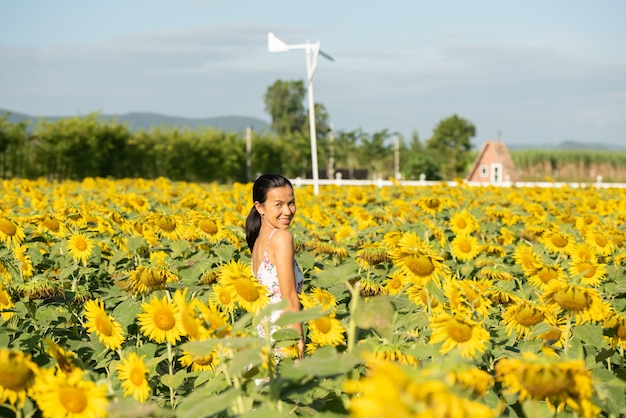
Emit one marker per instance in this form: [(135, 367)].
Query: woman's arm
[(282, 249)]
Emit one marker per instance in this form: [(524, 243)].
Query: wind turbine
[(312, 51)]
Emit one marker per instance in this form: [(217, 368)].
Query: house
[(493, 165)]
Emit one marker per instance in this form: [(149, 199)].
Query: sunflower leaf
[(376, 313), (203, 402), (589, 334)]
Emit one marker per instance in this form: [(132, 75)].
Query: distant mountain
[(145, 121)]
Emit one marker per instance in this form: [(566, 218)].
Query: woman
[(271, 244)]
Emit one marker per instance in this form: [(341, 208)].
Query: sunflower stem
[(170, 361), (568, 331), (354, 302)]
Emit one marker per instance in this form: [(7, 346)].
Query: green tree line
[(79, 147)]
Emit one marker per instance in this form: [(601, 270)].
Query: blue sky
[(531, 72)]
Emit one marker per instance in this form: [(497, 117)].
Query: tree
[(451, 143), (284, 101)]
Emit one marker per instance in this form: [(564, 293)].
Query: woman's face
[(279, 207)]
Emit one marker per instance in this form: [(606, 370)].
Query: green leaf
[(306, 260), (305, 315), (174, 381), (376, 313), (135, 243), (126, 312), (336, 275), (178, 248), (536, 409), (204, 403), (323, 363), (589, 334), (224, 252)]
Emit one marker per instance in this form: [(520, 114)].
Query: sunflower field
[(135, 298)]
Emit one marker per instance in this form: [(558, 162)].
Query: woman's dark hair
[(262, 185)]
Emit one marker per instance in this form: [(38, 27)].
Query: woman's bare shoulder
[(281, 238)]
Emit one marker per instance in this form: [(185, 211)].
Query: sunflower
[(209, 227), (394, 353), (522, 315), (66, 360), (17, 376), (468, 296), (197, 363), (421, 297), (393, 390), (6, 304), (25, 261), (616, 323), (51, 224), (132, 373), (344, 232), (495, 272), (318, 297), (108, 330), (370, 255), (221, 297), (158, 321), (545, 274), (590, 272), (583, 251), (472, 378), (326, 330), (167, 226), (215, 320), (59, 395), (394, 283), (463, 223), (187, 316), (418, 260), (245, 289), (458, 331), (525, 256), (600, 241), (560, 383), (506, 236), (80, 247), (148, 278), (433, 205), (557, 241), (582, 303), (11, 233), (465, 247), (369, 286)]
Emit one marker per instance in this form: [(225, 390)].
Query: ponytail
[(253, 226)]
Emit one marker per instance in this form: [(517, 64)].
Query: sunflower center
[(81, 244), (600, 240), (420, 265), (51, 223), (395, 283), (15, 376), (137, 376), (553, 335), (546, 274), (73, 399), (204, 361), (246, 289), (558, 240), (164, 319), (587, 268), (104, 324), (572, 299), (543, 382), (209, 227), (620, 331), (166, 223), (465, 246), (225, 298), (7, 227), (323, 325), (461, 223), (528, 316), (153, 277), (458, 331)]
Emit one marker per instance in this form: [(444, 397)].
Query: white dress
[(268, 277)]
